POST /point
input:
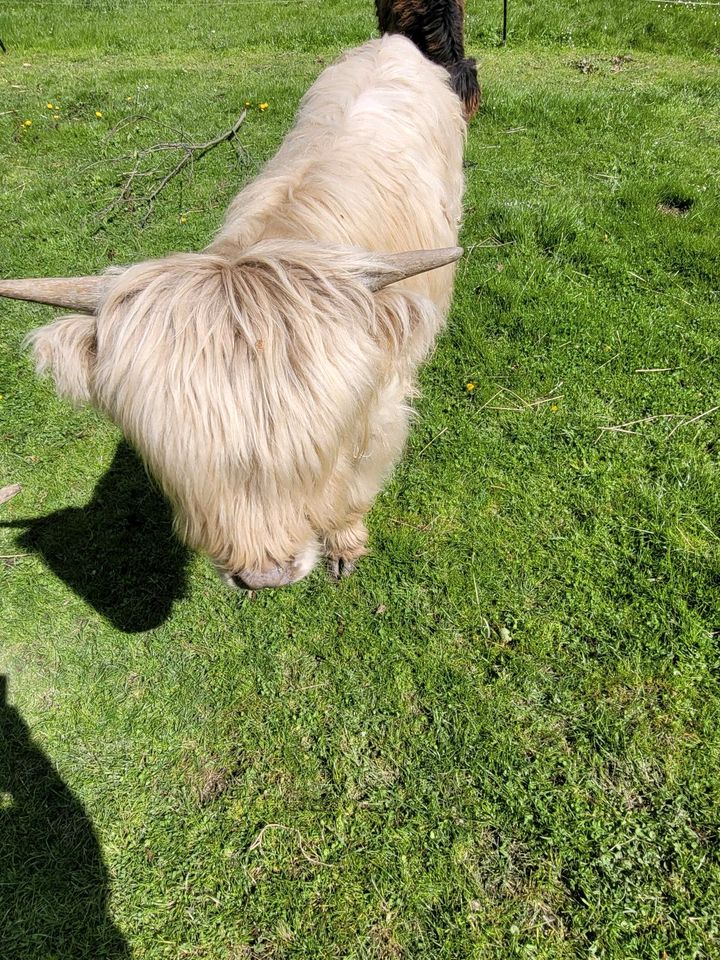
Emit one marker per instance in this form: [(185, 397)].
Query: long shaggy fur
[(263, 384), (436, 27)]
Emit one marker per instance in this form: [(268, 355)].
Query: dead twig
[(257, 843), (436, 437), (413, 526), (618, 427), (614, 357), (539, 403), (526, 404), (686, 423), (487, 402), (517, 396)]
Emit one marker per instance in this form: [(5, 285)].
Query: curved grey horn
[(76, 293), (399, 266)]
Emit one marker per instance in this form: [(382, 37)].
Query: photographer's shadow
[(118, 552), (54, 883)]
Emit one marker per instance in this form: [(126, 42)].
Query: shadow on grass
[(53, 882), (118, 552)]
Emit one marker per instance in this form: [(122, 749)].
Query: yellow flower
[(1, 397), (469, 387), (263, 106), (128, 99), (98, 114), (50, 106), (554, 407), (247, 103), (27, 123), (183, 219)]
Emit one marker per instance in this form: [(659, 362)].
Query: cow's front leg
[(361, 471), (344, 547)]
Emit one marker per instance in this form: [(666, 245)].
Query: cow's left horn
[(85, 294), (400, 266)]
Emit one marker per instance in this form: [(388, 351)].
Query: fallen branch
[(191, 153)]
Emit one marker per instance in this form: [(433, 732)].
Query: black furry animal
[(436, 28)]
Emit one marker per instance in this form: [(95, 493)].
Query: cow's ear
[(66, 350)]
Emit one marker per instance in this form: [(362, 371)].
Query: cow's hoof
[(341, 567)]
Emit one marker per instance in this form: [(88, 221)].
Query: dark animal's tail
[(436, 28)]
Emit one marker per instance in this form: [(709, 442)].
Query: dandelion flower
[(183, 219), (98, 114), (554, 407), (248, 103), (469, 387), (128, 99), (50, 106), (263, 106), (27, 123)]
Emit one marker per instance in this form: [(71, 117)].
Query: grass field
[(501, 737)]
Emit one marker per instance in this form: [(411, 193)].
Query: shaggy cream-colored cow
[(265, 380)]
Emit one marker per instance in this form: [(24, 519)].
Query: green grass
[(499, 739)]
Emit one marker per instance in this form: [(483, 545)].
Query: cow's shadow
[(118, 552), (53, 881)]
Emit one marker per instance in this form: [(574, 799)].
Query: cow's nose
[(264, 579)]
